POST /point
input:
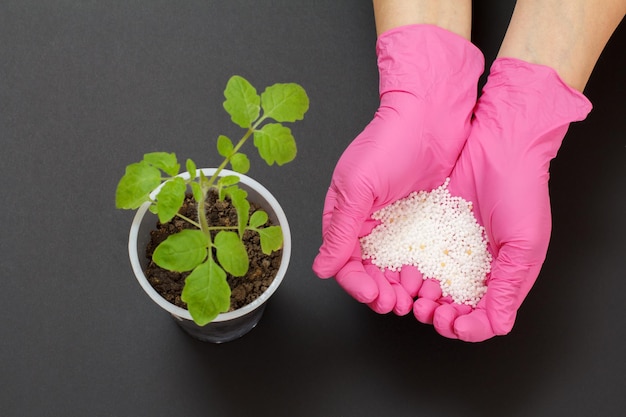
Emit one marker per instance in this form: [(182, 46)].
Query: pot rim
[(184, 313)]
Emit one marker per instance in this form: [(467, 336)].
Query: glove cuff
[(530, 102), (536, 88), (415, 58)]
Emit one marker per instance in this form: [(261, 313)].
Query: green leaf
[(258, 219), (164, 161), (275, 143), (182, 252), (231, 253), (271, 239), (224, 146), (240, 163), (242, 101), (206, 292), (136, 185), (223, 183), (170, 199), (239, 199), (228, 180), (196, 189), (191, 169), (285, 102)]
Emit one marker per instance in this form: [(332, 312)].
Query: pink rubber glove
[(428, 87), (519, 124)]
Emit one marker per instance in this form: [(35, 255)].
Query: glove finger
[(424, 310), (404, 302), (473, 327), (355, 280), (411, 280), (429, 295), (445, 317), (507, 287), (340, 233), (327, 214), (392, 276), (386, 300), (329, 208), (430, 289)]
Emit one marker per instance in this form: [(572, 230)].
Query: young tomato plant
[(206, 290)]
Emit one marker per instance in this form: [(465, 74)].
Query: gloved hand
[(520, 121), (428, 87)]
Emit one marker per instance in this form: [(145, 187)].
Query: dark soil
[(244, 290)]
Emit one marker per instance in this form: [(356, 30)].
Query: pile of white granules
[(438, 234)]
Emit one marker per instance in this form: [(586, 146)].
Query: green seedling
[(208, 251)]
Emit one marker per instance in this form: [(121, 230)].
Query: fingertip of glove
[(424, 310), (404, 302), (444, 320), (402, 309), (382, 305), (323, 268), (474, 327), (411, 279), (430, 289), (364, 294), (360, 286)]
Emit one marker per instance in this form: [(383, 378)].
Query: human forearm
[(567, 35), (453, 15)]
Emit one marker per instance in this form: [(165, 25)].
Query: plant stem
[(188, 220), (204, 225), (223, 228), (235, 150)]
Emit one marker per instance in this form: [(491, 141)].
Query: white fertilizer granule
[(438, 234)]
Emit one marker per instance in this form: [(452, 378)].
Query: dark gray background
[(87, 87)]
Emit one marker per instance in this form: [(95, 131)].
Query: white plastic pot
[(226, 326)]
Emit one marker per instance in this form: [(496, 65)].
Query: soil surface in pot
[(244, 290)]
